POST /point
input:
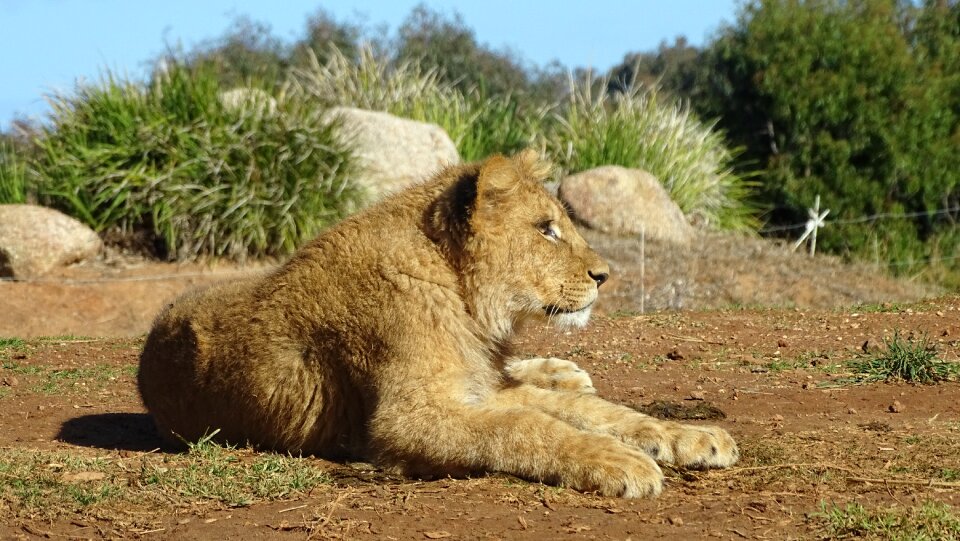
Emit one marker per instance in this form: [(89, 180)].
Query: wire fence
[(817, 220), (865, 219)]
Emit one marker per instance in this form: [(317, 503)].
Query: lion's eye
[(549, 230)]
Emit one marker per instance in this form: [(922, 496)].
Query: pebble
[(696, 395), (896, 407)]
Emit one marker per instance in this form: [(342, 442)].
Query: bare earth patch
[(80, 459)]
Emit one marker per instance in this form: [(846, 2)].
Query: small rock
[(675, 355), (696, 395), (896, 407)]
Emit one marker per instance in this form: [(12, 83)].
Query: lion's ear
[(498, 175), (533, 165)]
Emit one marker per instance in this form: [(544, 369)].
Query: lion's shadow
[(124, 431)]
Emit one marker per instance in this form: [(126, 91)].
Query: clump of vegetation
[(913, 360), (249, 177), (13, 175), (478, 124), (213, 472), (636, 127), (931, 520)]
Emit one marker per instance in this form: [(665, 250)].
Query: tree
[(246, 52), (323, 32), (831, 98), (672, 67), (447, 44)]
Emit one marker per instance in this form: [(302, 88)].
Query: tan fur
[(386, 339)]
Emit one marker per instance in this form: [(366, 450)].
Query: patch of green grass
[(66, 338), (929, 521), (11, 343), (37, 481), (950, 474), (779, 365), (218, 473), (46, 484), (57, 381), (912, 360), (25, 369)]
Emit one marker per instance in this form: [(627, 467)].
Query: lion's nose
[(599, 277)]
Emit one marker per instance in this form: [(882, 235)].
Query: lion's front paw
[(615, 469), (690, 446), (551, 373)]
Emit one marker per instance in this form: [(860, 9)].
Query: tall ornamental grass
[(637, 128), (478, 124), (13, 176), (208, 176)]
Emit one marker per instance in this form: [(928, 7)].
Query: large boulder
[(622, 201), (35, 240), (394, 152)]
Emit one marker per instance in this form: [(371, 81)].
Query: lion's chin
[(566, 318)]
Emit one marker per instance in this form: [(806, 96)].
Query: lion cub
[(385, 339)]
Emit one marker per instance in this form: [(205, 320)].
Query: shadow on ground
[(124, 431)]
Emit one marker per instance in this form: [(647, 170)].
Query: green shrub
[(206, 178), (479, 125), (637, 128)]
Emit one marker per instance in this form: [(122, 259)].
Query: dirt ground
[(814, 441)]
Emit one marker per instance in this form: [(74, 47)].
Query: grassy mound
[(206, 176)]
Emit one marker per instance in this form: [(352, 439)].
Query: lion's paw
[(689, 446), (551, 373), (616, 470)]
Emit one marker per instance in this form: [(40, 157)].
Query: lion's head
[(518, 253)]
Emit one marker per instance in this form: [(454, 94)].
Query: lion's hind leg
[(551, 373)]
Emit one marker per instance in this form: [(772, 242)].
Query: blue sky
[(48, 45)]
